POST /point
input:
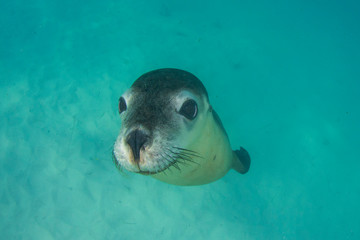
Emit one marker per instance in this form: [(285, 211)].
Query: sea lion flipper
[(241, 162)]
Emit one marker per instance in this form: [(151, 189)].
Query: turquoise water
[(284, 76)]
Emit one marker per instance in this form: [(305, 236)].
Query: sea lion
[(170, 131)]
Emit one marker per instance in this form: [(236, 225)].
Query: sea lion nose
[(136, 140)]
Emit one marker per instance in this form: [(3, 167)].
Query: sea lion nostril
[(136, 139)]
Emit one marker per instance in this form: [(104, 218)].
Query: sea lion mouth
[(171, 157), (175, 163)]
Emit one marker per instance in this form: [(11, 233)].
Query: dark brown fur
[(156, 88)]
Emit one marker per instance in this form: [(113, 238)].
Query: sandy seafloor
[(284, 76)]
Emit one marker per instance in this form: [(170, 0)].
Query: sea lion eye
[(122, 105), (189, 109)]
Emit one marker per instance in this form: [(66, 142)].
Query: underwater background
[(284, 77)]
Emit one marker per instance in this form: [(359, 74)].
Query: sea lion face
[(160, 116)]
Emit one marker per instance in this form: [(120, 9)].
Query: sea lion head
[(162, 114)]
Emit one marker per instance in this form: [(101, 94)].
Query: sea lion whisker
[(167, 166), (174, 162), (184, 149), (187, 153), (190, 152), (176, 166), (184, 161), (187, 159), (171, 157), (185, 156), (164, 165), (191, 155), (164, 161)]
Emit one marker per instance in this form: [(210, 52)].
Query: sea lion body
[(171, 132)]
